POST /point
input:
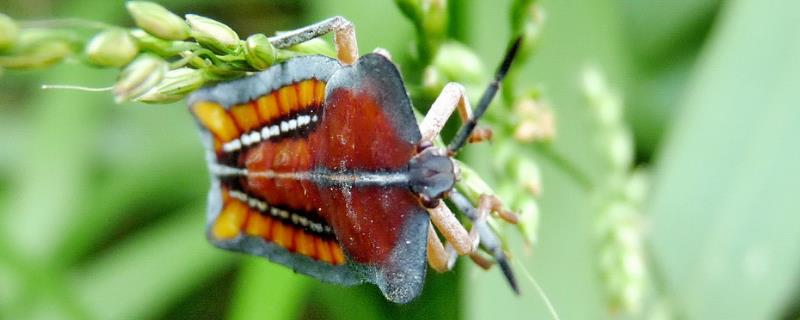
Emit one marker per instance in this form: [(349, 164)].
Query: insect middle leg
[(459, 241), (344, 37)]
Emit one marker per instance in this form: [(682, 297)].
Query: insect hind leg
[(344, 37)]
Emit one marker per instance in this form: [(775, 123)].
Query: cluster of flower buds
[(619, 225), (535, 120), (162, 60), (32, 48)]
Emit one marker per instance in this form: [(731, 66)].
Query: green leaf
[(725, 219), (268, 290), (152, 270)]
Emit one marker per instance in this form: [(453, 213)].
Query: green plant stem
[(570, 168), (65, 23)]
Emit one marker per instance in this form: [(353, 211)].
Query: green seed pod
[(459, 63), (111, 48), (259, 52), (141, 75), (157, 20), (8, 32), (213, 34), (176, 84)]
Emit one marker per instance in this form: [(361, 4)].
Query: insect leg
[(452, 230), (344, 37), (452, 97), (488, 239), (440, 258)]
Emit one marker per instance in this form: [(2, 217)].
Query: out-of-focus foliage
[(102, 205)]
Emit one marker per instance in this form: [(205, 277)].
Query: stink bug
[(319, 164)]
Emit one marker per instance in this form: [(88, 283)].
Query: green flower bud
[(606, 106), (536, 121), (8, 32), (213, 34), (527, 174), (176, 84), (157, 20), (459, 63), (411, 8), (528, 223), (259, 52), (433, 81), (619, 148), (527, 20), (38, 55), (637, 186), (141, 75), (111, 48), (434, 24), (470, 184)]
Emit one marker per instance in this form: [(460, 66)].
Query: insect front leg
[(453, 97), (344, 37)]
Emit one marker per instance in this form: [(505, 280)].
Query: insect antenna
[(466, 130)]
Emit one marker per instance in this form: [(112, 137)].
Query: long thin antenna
[(486, 99)]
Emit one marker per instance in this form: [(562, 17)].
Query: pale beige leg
[(451, 229), (453, 97), (438, 257), (344, 37), (488, 204), (459, 241)]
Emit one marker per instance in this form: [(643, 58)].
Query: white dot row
[(276, 212), (275, 130)]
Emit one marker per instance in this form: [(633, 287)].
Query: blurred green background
[(102, 205)]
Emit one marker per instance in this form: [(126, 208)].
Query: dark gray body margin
[(403, 277), (277, 76)]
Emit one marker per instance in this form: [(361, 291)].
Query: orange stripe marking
[(319, 92), (305, 93), (230, 220), (323, 250), (283, 235), (214, 117), (287, 99), (268, 107), (257, 225), (338, 254), (245, 116), (305, 244)]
